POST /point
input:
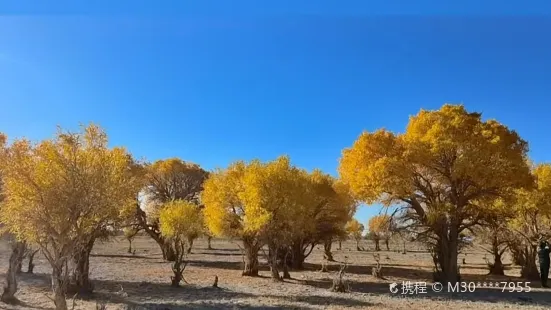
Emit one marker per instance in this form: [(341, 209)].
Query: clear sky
[(212, 82)]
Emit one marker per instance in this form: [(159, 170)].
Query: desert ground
[(141, 281)]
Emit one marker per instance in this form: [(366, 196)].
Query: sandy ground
[(145, 278)]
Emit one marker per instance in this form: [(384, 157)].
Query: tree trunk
[(528, 269), (377, 247), (340, 245), (166, 247), (327, 250), (446, 252), (272, 256), (297, 256), (80, 278), (286, 274), (129, 246), (250, 258), (386, 243), (30, 265), (190, 243), (59, 286), (404, 251), (358, 244), (8, 295), (168, 251), (497, 267), (209, 245), (20, 256)]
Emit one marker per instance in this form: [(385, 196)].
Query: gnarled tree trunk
[(80, 278), (377, 246), (327, 250), (190, 241), (446, 252), (387, 245), (8, 295), (209, 244), (169, 254), (273, 261), (59, 284), (497, 267), (250, 257), (528, 268), (30, 265), (299, 253)]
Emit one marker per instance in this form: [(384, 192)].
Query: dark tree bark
[(273, 260), (59, 285), (80, 278), (299, 252), (250, 257), (446, 252), (209, 245), (286, 274), (386, 244), (497, 267), (190, 240), (8, 295), (327, 250), (30, 265), (377, 246)]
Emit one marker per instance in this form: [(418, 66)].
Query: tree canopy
[(60, 191), (445, 169)]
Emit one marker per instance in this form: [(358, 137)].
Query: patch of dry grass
[(145, 280)]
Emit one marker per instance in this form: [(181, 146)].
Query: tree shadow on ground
[(25, 305), (123, 256), (140, 294), (218, 253), (480, 294), (223, 265), (388, 271)]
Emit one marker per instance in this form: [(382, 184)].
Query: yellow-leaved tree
[(18, 247), (379, 229), (60, 191), (166, 181), (328, 206), (259, 203), (444, 169), (531, 221), (178, 220), (355, 230)]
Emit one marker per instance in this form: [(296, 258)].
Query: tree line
[(450, 174)]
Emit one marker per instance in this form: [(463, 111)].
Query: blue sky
[(212, 83)]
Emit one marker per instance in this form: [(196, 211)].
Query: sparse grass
[(145, 281)]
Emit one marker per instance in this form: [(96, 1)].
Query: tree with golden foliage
[(59, 191), (166, 181), (261, 204), (355, 230), (531, 221), (225, 213), (273, 194), (17, 247), (445, 168), (178, 220), (378, 228), (494, 235), (329, 207)]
